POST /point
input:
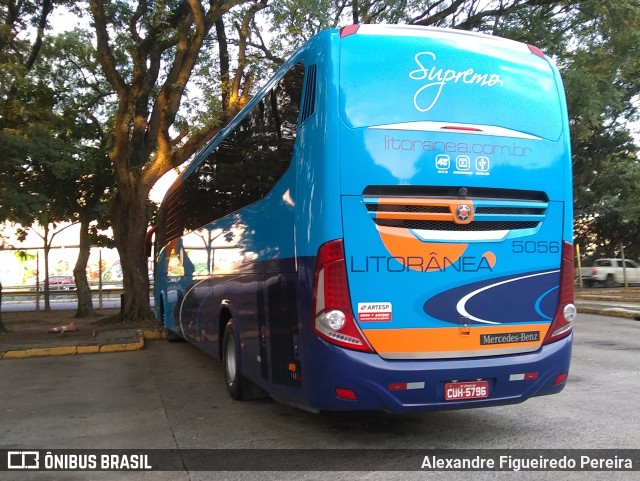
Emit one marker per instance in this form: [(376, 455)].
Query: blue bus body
[(412, 250)]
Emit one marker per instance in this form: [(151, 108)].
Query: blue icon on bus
[(463, 162), (443, 162), (482, 164)]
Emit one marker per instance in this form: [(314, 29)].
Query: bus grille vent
[(309, 100), (283, 333), (408, 208), (438, 214), (452, 227), (510, 210)]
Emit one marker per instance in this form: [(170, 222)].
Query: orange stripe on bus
[(451, 204), (442, 216), (445, 339)]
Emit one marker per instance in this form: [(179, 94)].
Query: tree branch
[(263, 47), (236, 98), (424, 17), (223, 48), (105, 55), (47, 8), (163, 163), (135, 18)]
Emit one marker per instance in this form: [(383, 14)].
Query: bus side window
[(250, 161)]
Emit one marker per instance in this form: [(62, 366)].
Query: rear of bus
[(452, 286)]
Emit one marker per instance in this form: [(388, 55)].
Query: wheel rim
[(230, 361)]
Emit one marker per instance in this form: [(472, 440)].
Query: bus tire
[(232, 376)]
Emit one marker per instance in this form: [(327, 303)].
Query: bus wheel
[(232, 376)]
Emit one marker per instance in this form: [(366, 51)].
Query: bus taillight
[(566, 311), (332, 314)]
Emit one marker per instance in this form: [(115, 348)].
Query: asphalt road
[(172, 395)]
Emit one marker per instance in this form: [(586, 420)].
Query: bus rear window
[(448, 78)]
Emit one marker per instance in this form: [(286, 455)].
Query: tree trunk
[(47, 248), (85, 303), (2, 327), (129, 219), (355, 11)]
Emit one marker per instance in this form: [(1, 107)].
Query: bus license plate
[(460, 391)]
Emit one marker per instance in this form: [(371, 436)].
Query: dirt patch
[(31, 329)]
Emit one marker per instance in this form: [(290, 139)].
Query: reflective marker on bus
[(387, 225)]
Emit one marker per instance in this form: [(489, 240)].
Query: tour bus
[(386, 225)]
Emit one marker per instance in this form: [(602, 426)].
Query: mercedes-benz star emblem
[(463, 212)]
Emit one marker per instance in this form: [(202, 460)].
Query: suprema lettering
[(439, 77)]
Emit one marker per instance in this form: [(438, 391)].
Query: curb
[(597, 297), (87, 349), (609, 311)]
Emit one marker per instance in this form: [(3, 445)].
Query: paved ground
[(168, 395), (172, 395)]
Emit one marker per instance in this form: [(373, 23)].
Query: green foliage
[(54, 160), (602, 80), (59, 115)]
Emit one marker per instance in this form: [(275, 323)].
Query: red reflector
[(348, 394), (402, 386), (529, 376), (349, 30), (536, 51), (459, 127), (561, 378)]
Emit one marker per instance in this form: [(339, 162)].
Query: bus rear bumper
[(419, 385)]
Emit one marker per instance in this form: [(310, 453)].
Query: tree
[(70, 65), (58, 169), (39, 161), (26, 119), (236, 91), (18, 56), (45, 182), (295, 21), (148, 53), (601, 77), (152, 55), (47, 236)]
